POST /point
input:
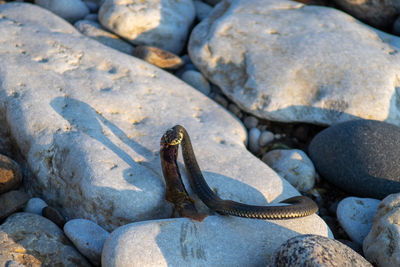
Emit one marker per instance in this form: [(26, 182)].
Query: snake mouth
[(172, 136)]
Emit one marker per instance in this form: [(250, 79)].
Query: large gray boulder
[(285, 61)]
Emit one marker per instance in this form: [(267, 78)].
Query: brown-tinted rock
[(28, 238), (158, 57), (13, 253), (10, 174), (11, 202), (378, 13), (54, 215)]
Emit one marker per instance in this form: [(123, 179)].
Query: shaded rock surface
[(288, 62), (38, 240), (382, 245), (377, 13), (11, 202), (361, 157), (94, 30), (164, 24), (105, 166), (313, 250), (217, 241)]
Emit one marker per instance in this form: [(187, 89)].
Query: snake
[(299, 206)]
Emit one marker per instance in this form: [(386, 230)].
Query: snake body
[(300, 205)]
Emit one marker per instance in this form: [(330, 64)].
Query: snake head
[(173, 136)]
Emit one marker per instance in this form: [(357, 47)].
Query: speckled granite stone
[(317, 251)]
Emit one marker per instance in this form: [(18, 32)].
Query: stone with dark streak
[(317, 251), (54, 215)]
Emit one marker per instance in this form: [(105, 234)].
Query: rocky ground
[(279, 97)]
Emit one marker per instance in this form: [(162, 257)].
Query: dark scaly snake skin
[(300, 206)]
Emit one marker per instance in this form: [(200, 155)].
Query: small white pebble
[(35, 205), (254, 135), (250, 122), (265, 138)]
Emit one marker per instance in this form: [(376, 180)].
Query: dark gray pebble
[(362, 157), (54, 215)]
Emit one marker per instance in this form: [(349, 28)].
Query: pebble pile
[(279, 97)]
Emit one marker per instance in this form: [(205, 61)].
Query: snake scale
[(300, 205)]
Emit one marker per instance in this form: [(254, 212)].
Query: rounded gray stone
[(71, 10), (294, 165), (356, 215), (35, 205), (88, 238), (361, 157), (250, 122), (265, 138), (254, 135), (164, 24), (317, 251)]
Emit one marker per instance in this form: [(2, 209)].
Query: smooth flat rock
[(87, 237), (355, 215), (10, 174), (217, 241), (39, 240), (89, 119), (164, 24), (35, 205), (382, 245), (289, 62), (362, 157), (318, 251)]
